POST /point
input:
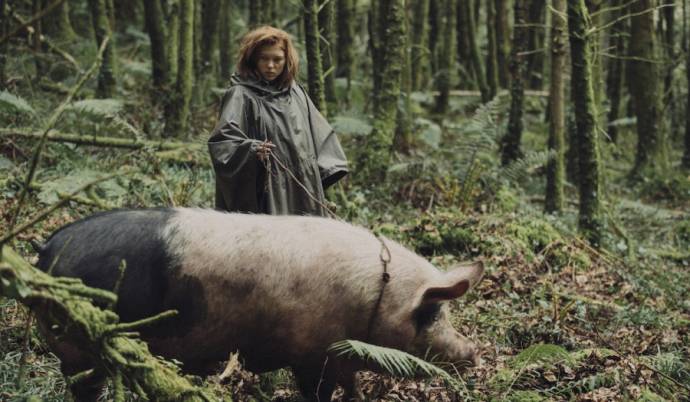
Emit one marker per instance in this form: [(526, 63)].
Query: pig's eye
[(426, 315)]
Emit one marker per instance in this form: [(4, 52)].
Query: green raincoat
[(254, 111)]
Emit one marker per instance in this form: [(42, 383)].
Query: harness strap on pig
[(385, 257)]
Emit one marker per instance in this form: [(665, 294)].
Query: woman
[(272, 151)]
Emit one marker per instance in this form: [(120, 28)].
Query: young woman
[(272, 151)]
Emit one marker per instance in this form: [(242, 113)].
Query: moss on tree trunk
[(555, 170), (645, 89), (327, 48), (101, 27), (418, 34), (589, 218), (177, 110), (614, 79), (492, 50), (446, 56), (155, 23), (314, 67), (502, 40), (345, 39), (510, 145), (376, 156)]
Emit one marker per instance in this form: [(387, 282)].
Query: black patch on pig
[(99, 243), (426, 315)]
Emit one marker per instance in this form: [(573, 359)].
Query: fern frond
[(351, 125), (541, 353), (522, 166), (394, 361), (13, 103)]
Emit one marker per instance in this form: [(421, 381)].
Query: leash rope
[(384, 255)]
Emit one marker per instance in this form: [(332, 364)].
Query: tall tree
[(345, 39), (555, 170), (669, 33), (474, 54), (434, 34), (492, 50), (536, 35), (4, 28), (327, 47), (211, 12), (391, 29), (155, 23), (172, 43), (418, 39), (614, 78), (177, 110), (314, 67), (589, 218), (463, 45), (255, 18), (226, 42), (503, 40), (58, 24), (446, 54), (645, 92), (101, 27), (510, 146)]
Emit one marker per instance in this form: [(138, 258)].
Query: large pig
[(278, 289)]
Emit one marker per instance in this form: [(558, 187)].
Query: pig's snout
[(460, 351)]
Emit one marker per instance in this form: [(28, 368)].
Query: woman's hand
[(263, 150)]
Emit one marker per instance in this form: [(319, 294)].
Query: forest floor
[(555, 318)]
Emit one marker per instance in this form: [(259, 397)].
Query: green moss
[(506, 200), (446, 232)]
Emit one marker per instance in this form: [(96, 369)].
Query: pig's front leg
[(315, 383), (351, 387)]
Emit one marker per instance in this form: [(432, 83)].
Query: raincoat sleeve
[(330, 157), (232, 148)]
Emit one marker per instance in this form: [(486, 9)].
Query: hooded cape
[(254, 111)]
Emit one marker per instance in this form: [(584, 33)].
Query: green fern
[(542, 353), (394, 361), (351, 125), (105, 111), (15, 104), (521, 167)]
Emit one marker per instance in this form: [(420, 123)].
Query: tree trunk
[(510, 147), (327, 48), (645, 88), (419, 34), (535, 60), (614, 79), (101, 27), (403, 129), (226, 40), (492, 50), (555, 170), (212, 10), (314, 68), (589, 218), (58, 25), (668, 14), (446, 58), (434, 34), (254, 14), (345, 39), (4, 28), (177, 112), (503, 41), (36, 6), (379, 142), (155, 23), (475, 56), (172, 12), (686, 154), (463, 44)]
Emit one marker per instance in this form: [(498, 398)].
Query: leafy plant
[(395, 362)]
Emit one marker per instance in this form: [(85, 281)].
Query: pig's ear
[(454, 283)]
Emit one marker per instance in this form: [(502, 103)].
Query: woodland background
[(548, 138)]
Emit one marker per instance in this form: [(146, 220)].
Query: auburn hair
[(253, 40)]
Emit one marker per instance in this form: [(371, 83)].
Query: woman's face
[(270, 61)]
